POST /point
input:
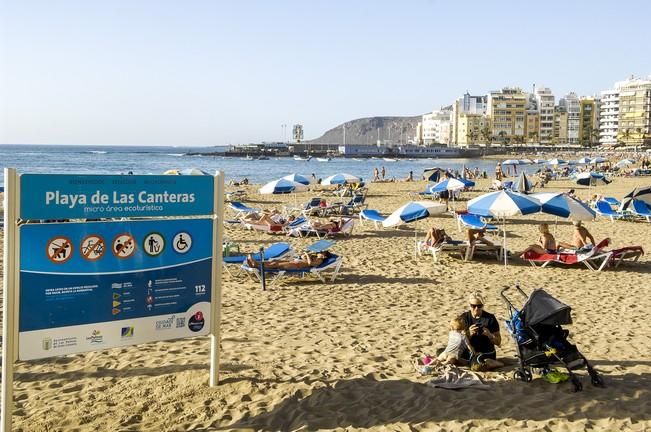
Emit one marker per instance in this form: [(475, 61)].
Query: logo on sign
[(59, 249), (92, 247), (95, 337), (153, 244), (124, 245), (182, 242), (126, 332), (47, 344), (165, 324), (196, 322)]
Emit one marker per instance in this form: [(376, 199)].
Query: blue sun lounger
[(241, 209), (474, 221), (604, 209), (640, 208), (371, 215), (274, 251), (332, 263)]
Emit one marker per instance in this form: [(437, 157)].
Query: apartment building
[(609, 117), (545, 101), (560, 126), (573, 109), (588, 121), (467, 104), (436, 127), (469, 129), (507, 110), (634, 111)]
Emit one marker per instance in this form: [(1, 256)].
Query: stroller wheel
[(528, 374), (522, 375), (576, 383), (597, 380)]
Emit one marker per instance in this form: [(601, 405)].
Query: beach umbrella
[(562, 205), (522, 184), (503, 204), (584, 161), (624, 162), (514, 162), (433, 174), (411, 212), (193, 171), (298, 179), (639, 193), (526, 161), (556, 162), (599, 159), (450, 184), (282, 186), (591, 179), (539, 161), (341, 178)]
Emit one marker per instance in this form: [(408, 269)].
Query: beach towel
[(454, 378)]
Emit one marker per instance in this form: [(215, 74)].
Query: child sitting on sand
[(451, 355)]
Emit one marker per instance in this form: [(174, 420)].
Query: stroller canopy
[(542, 308)]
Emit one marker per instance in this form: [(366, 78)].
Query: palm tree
[(594, 135), (487, 134), (626, 136), (502, 136), (533, 136)]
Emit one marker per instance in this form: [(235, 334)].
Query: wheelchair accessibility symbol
[(182, 242)]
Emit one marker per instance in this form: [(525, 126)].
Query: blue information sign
[(96, 285), (47, 196)]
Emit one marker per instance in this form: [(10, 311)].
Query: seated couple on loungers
[(436, 236), (581, 240), (306, 260), (333, 224)]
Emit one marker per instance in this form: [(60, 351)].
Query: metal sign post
[(263, 282)]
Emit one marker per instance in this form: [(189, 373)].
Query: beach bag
[(230, 249)]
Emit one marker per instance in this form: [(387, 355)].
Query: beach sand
[(306, 355)]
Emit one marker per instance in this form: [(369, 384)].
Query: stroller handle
[(506, 288)]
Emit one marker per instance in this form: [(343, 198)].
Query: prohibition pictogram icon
[(59, 249), (92, 247), (124, 245)]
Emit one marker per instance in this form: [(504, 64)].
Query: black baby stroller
[(541, 341)]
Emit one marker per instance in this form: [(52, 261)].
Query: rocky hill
[(395, 130)]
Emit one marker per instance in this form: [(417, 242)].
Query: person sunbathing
[(333, 224), (306, 260), (269, 218), (477, 236), (581, 236), (436, 236), (546, 242)]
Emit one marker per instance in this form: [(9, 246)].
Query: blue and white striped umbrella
[(522, 184), (514, 162), (639, 193), (591, 179), (563, 205), (556, 162), (599, 159), (584, 161), (298, 179), (282, 186), (502, 204), (412, 212), (450, 184), (539, 161), (342, 178)]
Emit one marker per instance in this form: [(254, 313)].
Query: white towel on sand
[(455, 378)]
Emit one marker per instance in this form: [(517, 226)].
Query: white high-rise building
[(609, 116), (467, 104), (436, 127), (573, 108), (545, 101)]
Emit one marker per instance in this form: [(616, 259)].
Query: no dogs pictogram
[(124, 245), (59, 249), (93, 247)]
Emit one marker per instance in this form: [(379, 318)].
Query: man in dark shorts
[(484, 333)]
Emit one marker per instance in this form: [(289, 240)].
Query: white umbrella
[(341, 178), (282, 186), (624, 162), (411, 212)]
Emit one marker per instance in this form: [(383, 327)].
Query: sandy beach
[(338, 356)]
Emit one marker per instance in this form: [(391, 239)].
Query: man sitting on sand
[(304, 261)]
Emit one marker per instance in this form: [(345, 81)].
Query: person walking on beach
[(376, 174), (383, 173)]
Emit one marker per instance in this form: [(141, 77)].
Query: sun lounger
[(306, 229), (596, 259), (371, 215), (483, 248), (612, 201), (332, 263), (627, 253), (474, 221), (241, 209), (602, 208), (450, 247), (312, 207), (641, 209), (274, 251)]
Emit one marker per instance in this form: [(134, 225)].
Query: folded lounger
[(641, 209), (602, 208), (596, 259), (371, 215)]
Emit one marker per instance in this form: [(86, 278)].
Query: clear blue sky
[(156, 72)]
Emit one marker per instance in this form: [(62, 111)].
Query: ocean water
[(59, 159)]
